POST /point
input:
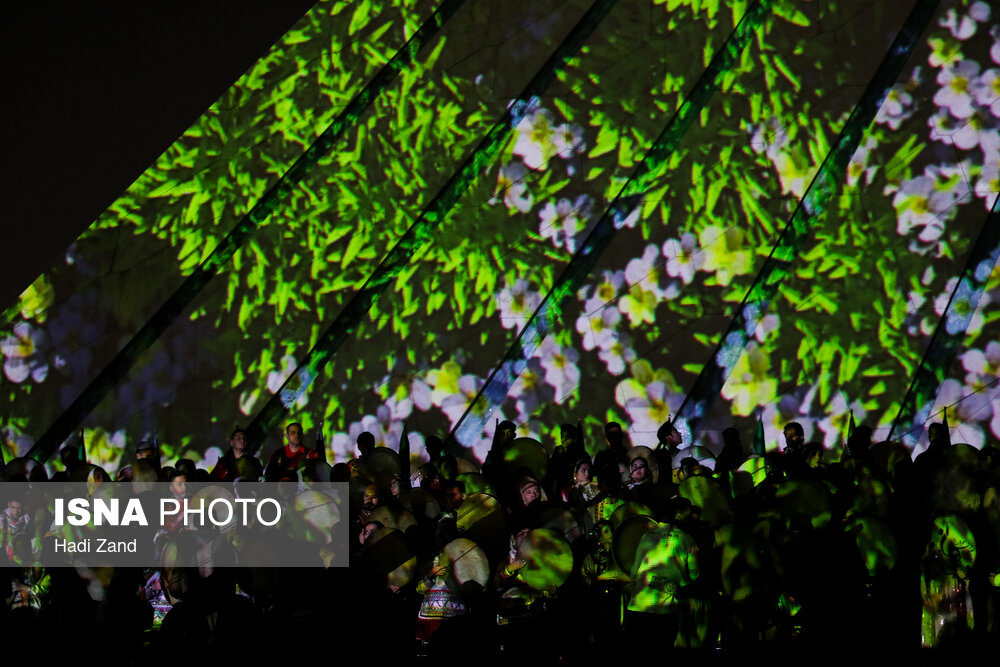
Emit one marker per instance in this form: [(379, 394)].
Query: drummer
[(665, 567), (454, 495), (669, 441), (503, 436), (583, 487), (530, 501)]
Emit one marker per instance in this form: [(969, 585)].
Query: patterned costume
[(10, 528)]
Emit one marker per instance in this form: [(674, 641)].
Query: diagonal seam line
[(945, 340), (122, 363), (822, 188), (497, 386), (419, 233)]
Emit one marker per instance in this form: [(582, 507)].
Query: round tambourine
[(703, 455), (482, 519), (804, 500), (564, 522), (645, 453), (393, 517), (756, 467), (380, 465), (388, 553), (316, 514), (525, 453), (464, 466), (708, 494), (885, 456), (474, 483), (548, 559), (468, 562), (314, 470), (422, 503), (204, 497), (626, 539), (33, 470), (628, 510)]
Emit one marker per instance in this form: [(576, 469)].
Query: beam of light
[(181, 299), (653, 165), (420, 232)]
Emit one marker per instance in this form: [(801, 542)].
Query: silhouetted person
[(860, 443), (732, 454), (610, 461), (366, 443), (285, 461), (669, 441), (503, 436), (615, 437), (795, 438), (236, 462)]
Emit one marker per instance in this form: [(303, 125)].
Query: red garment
[(285, 461), (172, 523)]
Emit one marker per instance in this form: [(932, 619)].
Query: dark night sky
[(94, 92)]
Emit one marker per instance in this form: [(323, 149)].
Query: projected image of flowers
[(869, 277)]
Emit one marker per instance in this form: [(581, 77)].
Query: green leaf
[(360, 16), (353, 247), (607, 141)]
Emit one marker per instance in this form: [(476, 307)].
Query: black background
[(94, 92)]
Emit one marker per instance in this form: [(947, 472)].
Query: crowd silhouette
[(568, 551)]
